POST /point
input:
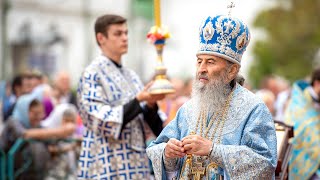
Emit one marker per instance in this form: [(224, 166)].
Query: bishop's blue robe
[(248, 148)]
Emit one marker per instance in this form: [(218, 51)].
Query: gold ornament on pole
[(158, 35)]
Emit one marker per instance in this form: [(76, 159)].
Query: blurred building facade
[(55, 35), (52, 35)]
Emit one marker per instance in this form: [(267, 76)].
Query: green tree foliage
[(293, 38), (143, 8)]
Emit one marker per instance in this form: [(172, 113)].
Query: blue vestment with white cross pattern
[(109, 152)]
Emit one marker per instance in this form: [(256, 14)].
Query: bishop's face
[(210, 68), (211, 86)]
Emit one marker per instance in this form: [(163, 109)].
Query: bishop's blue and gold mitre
[(224, 36)]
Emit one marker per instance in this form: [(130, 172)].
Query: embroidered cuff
[(216, 155), (170, 164)]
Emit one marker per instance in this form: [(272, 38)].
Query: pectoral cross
[(198, 171), (232, 5)]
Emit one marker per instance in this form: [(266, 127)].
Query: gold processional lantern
[(158, 35)]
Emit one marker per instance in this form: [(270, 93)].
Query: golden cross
[(197, 170), (232, 5)]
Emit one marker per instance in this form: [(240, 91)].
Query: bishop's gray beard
[(210, 97)]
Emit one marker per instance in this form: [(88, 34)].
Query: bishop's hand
[(196, 145), (174, 149)]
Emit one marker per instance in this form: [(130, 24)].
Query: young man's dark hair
[(315, 75), (103, 23)]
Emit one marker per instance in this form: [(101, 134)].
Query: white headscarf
[(54, 120)]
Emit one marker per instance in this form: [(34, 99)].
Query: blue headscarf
[(39, 90), (21, 109)]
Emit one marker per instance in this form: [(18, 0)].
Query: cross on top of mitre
[(230, 6)]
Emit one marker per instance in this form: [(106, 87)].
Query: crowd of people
[(33, 108), (214, 125)]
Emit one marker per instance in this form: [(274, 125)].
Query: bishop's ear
[(233, 71)]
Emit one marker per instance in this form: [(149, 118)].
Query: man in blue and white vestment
[(116, 110), (224, 131)]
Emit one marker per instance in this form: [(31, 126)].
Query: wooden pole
[(157, 17)]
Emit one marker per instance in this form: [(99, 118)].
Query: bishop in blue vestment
[(224, 131)]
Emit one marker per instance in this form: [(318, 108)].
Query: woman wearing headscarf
[(25, 123), (43, 93), (63, 163)]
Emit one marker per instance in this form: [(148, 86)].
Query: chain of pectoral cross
[(230, 6), (198, 170)]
